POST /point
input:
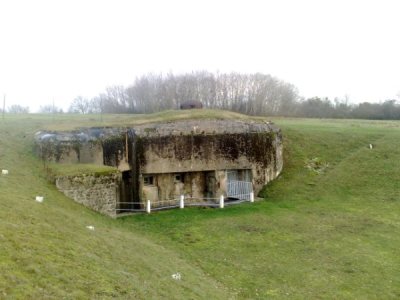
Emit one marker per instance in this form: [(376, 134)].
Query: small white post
[(252, 197), (182, 201), (148, 206), (221, 201)]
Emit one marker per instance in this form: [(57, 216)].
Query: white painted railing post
[(148, 206), (221, 201), (182, 201), (252, 197)]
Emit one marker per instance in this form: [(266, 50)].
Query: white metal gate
[(238, 189)]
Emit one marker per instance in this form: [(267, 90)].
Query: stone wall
[(100, 193)]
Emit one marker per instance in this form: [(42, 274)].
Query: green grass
[(70, 122), (332, 234), (47, 252), (55, 169)]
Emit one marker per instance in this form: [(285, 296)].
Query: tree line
[(325, 108), (252, 94)]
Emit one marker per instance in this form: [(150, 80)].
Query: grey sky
[(61, 49)]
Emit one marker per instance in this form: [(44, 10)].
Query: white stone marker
[(39, 199), (252, 197), (90, 227), (4, 172), (176, 276), (182, 201)]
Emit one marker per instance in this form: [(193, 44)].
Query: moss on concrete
[(56, 170), (258, 147), (112, 147)]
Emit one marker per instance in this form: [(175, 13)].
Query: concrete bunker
[(200, 159), (206, 185)]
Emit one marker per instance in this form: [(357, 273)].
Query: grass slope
[(47, 252), (332, 234)]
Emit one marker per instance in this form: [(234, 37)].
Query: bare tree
[(18, 109), (256, 94), (50, 109), (79, 105)]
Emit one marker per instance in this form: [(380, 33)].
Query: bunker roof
[(178, 122), (179, 127), (207, 127)]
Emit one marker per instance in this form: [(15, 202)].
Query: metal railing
[(239, 189), (131, 207), (181, 202)]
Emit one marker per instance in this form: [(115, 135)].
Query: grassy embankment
[(327, 234)]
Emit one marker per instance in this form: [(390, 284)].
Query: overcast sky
[(61, 49)]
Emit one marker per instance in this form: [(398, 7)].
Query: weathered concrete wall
[(91, 153), (198, 148), (101, 146), (100, 193), (195, 186), (70, 152), (260, 152)]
